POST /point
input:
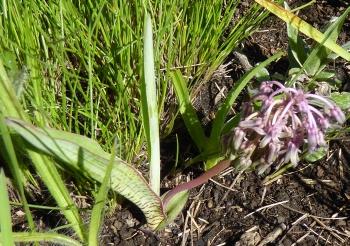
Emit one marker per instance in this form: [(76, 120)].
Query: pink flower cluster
[(288, 120)]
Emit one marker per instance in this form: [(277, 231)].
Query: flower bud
[(338, 114), (238, 138)]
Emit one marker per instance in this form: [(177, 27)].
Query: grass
[(85, 60), (77, 67)]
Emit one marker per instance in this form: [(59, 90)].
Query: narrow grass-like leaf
[(297, 48), (220, 117), (10, 156), (149, 106), (334, 56), (48, 237), (187, 111), (97, 213), (317, 59), (84, 158), (304, 27), (5, 211)]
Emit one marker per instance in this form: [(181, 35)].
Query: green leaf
[(324, 75), (149, 106), (48, 237), (305, 28), (297, 51), (318, 57), (345, 46), (43, 165), (174, 207), (187, 111), (231, 123), (86, 157), (5, 211), (97, 213), (220, 117), (316, 155), (9, 154), (341, 99), (262, 75)]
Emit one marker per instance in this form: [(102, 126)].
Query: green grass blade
[(97, 213), (219, 121), (5, 211), (44, 166), (84, 158), (317, 59), (48, 237), (304, 27), (187, 111), (297, 51), (149, 107), (10, 155)]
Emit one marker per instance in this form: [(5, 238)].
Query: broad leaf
[(44, 237), (316, 155), (174, 207), (43, 165), (86, 156), (341, 99)]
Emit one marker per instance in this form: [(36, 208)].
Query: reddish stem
[(222, 165)]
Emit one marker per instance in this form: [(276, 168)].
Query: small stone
[(20, 213), (216, 196), (280, 219), (130, 222), (112, 227), (340, 223), (229, 203), (249, 238), (210, 204), (117, 224), (320, 171)]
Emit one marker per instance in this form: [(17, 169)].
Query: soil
[(307, 206)]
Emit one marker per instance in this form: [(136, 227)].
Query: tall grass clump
[(77, 66), (84, 60)]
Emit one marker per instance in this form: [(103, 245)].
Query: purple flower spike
[(292, 154), (338, 114), (289, 119), (238, 138)]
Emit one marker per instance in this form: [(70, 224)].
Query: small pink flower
[(287, 119)]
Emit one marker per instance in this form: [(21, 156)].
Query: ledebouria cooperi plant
[(288, 121)]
